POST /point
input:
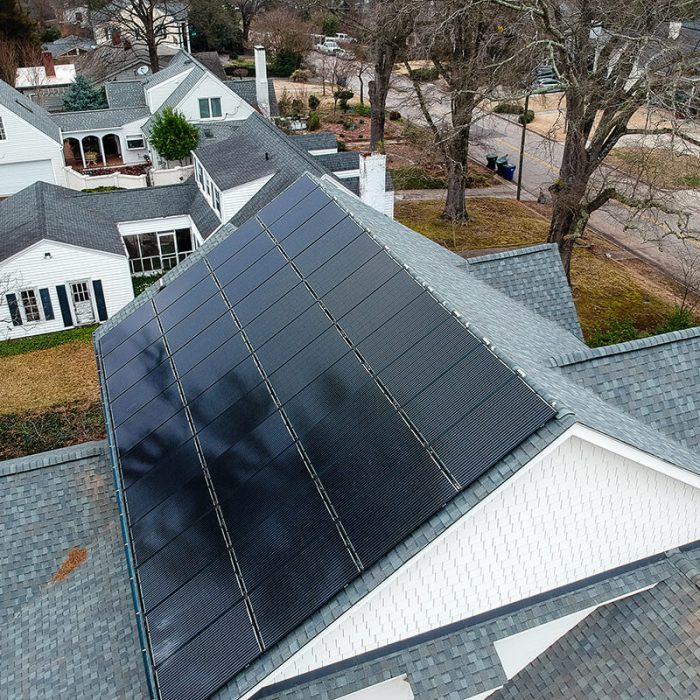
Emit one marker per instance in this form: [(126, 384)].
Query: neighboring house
[(30, 143), (67, 48), (118, 18), (78, 15), (61, 265), (347, 457), (47, 84)]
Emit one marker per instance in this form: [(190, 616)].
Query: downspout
[(128, 552)]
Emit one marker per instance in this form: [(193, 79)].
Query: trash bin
[(491, 159), (508, 171), (501, 162)]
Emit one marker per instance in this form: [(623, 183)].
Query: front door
[(168, 252), (82, 303)]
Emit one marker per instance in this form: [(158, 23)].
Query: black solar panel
[(285, 412)]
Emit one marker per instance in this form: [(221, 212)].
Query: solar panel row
[(286, 411)]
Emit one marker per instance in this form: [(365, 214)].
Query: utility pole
[(522, 146)]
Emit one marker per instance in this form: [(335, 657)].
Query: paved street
[(541, 164)]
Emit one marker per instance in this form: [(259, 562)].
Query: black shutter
[(14, 309), (46, 303), (100, 300), (65, 306)]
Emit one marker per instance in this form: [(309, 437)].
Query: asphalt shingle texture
[(99, 118), (73, 638), (125, 93), (320, 141), (245, 88), (31, 112)]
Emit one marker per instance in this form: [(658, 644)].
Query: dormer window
[(209, 107)]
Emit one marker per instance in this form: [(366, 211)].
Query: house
[(67, 48), (46, 84), (31, 143), (352, 464), (61, 264), (118, 18)]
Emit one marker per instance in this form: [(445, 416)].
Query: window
[(217, 201), (155, 252), (133, 142), (30, 305), (3, 135), (80, 292), (78, 17), (198, 171), (209, 107)]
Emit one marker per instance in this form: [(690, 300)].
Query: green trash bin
[(501, 162), (491, 159)]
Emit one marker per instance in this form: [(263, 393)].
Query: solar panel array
[(286, 411)]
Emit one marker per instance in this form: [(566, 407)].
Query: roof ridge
[(621, 348), (680, 561), (524, 250)]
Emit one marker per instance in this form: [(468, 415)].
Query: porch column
[(82, 152), (102, 150)]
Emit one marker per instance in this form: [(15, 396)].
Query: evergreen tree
[(82, 95), (173, 137)]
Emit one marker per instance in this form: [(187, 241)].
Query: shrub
[(297, 106), (526, 117), (102, 188), (415, 178), (617, 331), (314, 102), (342, 146), (425, 74), (394, 115), (314, 122), (50, 34), (679, 319), (240, 64), (507, 108), (342, 96), (284, 63), (173, 137), (362, 110), (82, 95), (301, 76), (412, 133), (144, 282), (330, 25)]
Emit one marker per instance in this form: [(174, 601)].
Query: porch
[(93, 152)]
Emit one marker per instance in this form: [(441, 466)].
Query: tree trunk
[(378, 90), (456, 154), (245, 21), (153, 54)]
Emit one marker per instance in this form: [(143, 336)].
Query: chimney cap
[(259, 47)]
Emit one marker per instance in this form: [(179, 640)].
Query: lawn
[(49, 393), (662, 167), (608, 293)]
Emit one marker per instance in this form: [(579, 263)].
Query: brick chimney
[(116, 37), (373, 181), (47, 60), (261, 90)]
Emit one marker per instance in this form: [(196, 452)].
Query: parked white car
[(329, 46)]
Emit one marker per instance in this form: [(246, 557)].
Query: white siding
[(156, 95), (121, 132), (24, 144), (167, 223), (577, 511), (30, 269), (232, 106), (233, 200)]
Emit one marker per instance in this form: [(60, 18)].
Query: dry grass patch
[(43, 379), (605, 291), (493, 223), (661, 167)]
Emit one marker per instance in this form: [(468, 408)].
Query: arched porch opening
[(112, 149), (92, 151), (71, 153)]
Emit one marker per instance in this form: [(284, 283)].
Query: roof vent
[(208, 133), (267, 156)]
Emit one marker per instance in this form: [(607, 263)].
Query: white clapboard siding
[(233, 200), (156, 95), (232, 106), (32, 269), (163, 223), (24, 143)]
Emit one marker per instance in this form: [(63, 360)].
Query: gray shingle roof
[(343, 160), (460, 660), (43, 211), (533, 276), (654, 379), (251, 163), (75, 637), (643, 646), (180, 62), (25, 109), (99, 118), (245, 88), (175, 97), (321, 140), (125, 93), (68, 43)]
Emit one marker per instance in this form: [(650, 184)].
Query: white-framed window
[(198, 171), (29, 304), (134, 142), (217, 200), (156, 252), (3, 134), (209, 107)]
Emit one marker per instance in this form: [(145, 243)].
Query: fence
[(78, 181), (171, 176)]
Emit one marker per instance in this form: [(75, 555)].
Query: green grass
[(416, 178), (691, 181), (27, 433), (19, 346)]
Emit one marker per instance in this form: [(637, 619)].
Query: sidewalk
[(504, 190)]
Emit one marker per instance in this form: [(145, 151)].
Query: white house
[(46, 84), (30, 143), (61, 265)]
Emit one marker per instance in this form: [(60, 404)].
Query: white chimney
[(372, 181), (674, 30), (261, 90)]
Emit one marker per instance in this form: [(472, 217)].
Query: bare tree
[(248, 9), (154, 22), (612, 58), (15, 54), (282, 31)]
